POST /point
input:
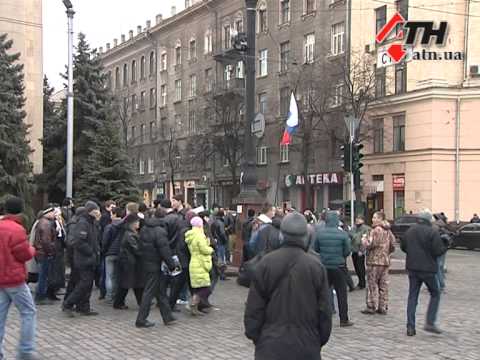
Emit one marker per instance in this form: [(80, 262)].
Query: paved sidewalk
[(112, 335)]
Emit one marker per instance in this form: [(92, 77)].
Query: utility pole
[(69, 186), (248, 186)]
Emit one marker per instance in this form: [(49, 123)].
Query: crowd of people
[(172, 254)]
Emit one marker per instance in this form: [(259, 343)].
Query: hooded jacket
[(331, 243), (381, 245), (155, 249), (422, 244), (288, 314), (111, 237), (85, 242), (201, 258), (15, 251)]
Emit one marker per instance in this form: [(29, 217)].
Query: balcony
[(230, 88)]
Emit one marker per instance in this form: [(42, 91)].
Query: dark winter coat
[(332, 244), (423, 245), (15, 251), (111, 238), (288, 314), (130, 269), (155, 247), (105, 220), (218, 231), (85, 243), (268, 237), (247, 228)]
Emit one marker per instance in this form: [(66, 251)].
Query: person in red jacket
[(15, 251)]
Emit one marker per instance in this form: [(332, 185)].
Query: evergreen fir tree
[(52, 181), (15, 166), (107, 173)]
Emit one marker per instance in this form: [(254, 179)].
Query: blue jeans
[(416, 279), (21, 297), (441, 271), (111, 282), (42, 286), (221, 253)]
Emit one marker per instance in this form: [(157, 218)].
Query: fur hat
[(294, 224), (14, 205)]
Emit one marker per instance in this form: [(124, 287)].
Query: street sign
[(258, 125)]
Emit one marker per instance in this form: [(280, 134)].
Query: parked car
[(467, 236), (401, 224)]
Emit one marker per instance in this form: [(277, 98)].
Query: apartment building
[(162, 74), (423, 150), (22, 21)]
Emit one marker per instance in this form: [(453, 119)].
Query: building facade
[(166, 105), (22, 21)]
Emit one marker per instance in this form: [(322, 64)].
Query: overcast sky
[(100, 20)]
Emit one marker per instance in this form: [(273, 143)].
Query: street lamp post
[(70, 13)]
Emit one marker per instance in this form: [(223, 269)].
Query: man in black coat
[(155, 250), (85, 260), (423, 246), (288, 313)]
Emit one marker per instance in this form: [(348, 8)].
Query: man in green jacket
[(333, 245), (358, 253)]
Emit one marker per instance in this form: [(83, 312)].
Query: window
[(399, 133), (227, 37), (150, 166), (142, 133), (262, 155), (338, 39), (240, 70), (209, 80), (225, 161), (262, 19), (142, 100), (402, 8), (284, 156), (132, 133), (178, 90), (141, 168), (208, 44), (400, 78), (163, 95), (134, 103), (151, 63), (239, 25), (227, 76), (337, 95), (378, 135), (284, 101), (153, 130), (178, 122), (163, 61), (380, 18), (309, 48), (192, 122), (117, 78), (153, 97), (163, 126), (192, 50), (380, 79), (309, 6), (193, 86), (262, 103), (142, 68), (262, 63), (178, 55), (125, 106), (134, 71), (125, 75), (284, 56), (109, 80), (284, 11)]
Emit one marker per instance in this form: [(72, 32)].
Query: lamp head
[(68, 4)]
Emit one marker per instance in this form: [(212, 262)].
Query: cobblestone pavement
[(112, 335)]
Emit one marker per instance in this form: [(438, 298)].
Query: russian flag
[(292, 122)]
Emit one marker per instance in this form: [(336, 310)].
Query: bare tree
[(173, 153), (123, 111)]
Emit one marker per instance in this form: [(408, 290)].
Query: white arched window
[(262, 18), (134, 71), (208, 42), (178, 53), (142, 68), (192, 49), (151, 63)]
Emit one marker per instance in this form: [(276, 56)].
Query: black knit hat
[(90, 206), (14, 205)]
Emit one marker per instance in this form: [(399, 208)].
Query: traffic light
[(346, 157), (357, 157)]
